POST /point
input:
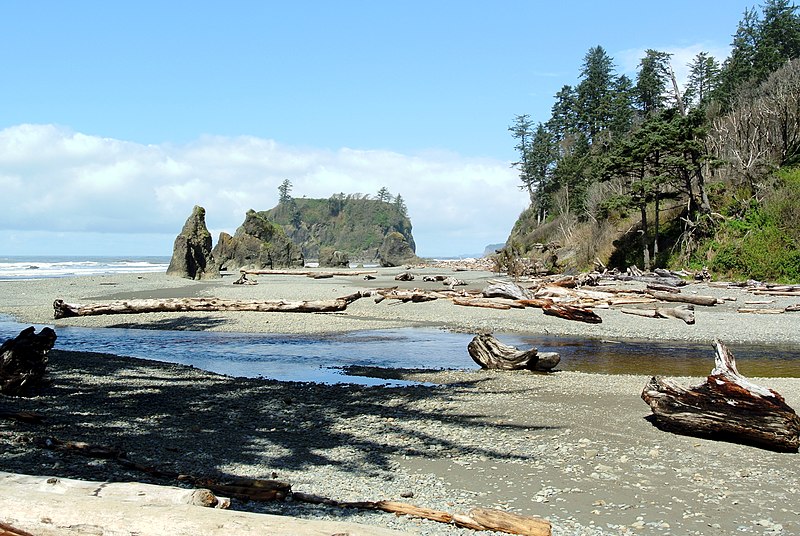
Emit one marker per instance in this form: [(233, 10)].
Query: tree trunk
[(23, 361), (685, 313), (570, 312), (645, 247), (476, 519), (490, 353), (64, 310), (726, 407), (35, 509), (683, 298)]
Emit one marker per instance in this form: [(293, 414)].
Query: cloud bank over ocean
[(69, 187)]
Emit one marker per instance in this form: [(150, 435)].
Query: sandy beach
[(574, 448)]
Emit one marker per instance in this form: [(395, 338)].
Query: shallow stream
[(321, 358)]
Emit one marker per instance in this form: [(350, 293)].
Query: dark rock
[(395, 250), (257, 244), (331, 258), (191, 253), (23, 361)]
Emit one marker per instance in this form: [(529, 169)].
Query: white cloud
[(60, 181)]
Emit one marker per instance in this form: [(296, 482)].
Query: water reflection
[(319, 358)]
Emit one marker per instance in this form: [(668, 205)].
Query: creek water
[(322, 358)]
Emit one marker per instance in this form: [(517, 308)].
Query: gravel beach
[(574, 448)]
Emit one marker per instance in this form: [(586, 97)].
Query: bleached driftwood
[(682, 312), (570, 312), (490, 353), (23, 361), (64, 310), (476, 519), (683, 298), (309, 273), (32, 510), (122, 491), (727, 406), (506, 289)]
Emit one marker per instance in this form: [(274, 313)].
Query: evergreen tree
[(622, 110), (400, 204), (285, 192), (778, 38), (704, 78), (542, 157), (651, 81), (594, 92), (384, 195), (563, 121), (521, 131)]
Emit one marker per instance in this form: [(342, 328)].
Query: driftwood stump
[(727, 407), (490, 353), (23, 361)]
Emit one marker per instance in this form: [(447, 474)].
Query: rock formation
[(257, 244), (191, 253), (395, 250), (333, 258)]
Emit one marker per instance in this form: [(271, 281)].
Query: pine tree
[(521, 130), (704, 78), (384, 195), (594, 92), (651, 81), (285, 192)]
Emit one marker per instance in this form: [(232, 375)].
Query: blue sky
[(119, 117)]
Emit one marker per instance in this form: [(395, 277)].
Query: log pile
[(727, 407), (23, 361), (490, 353)]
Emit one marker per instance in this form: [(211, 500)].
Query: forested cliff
[(650, 172)]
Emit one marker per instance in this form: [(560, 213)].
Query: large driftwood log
[(683, 298), (64, 310), (123, 491), (33, 509), (727, 406), (23, 361), (309, 273), (476, 519), (570, 312), (490, 353), (506, 289), (683, 312)]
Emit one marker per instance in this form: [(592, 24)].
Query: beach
[(571, 447)]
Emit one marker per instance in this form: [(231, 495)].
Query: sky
[(119, 117)]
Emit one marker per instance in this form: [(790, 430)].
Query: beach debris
[(311, 273), (404, 276), (571, 312), (243, 280), (490, 353), (29, 417), (65, 310), (23, 361), (506, 289), (683, 312), (727, 407), (476, 519), (683, 298)]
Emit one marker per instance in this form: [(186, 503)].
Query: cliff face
[(257, 244), (354, 226)]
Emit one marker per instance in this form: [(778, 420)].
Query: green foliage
[(352, 223)]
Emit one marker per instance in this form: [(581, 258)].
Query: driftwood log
[(49, 507), (683, 312), (490, 353), (65, 310), (23, 361), (476, 519), (727, 407), (683, 298), (571, 312)]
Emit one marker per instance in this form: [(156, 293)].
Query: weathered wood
[(685, 313), (506, 289), (31, 510), (572, 313), (476, 519), (489, 303), (683, 298), (8, 530), (727, 406), (123, 491), (490, 353), (65, 310), (404, 276), (23, 361), (308, 273)]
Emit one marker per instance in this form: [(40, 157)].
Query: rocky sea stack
[(191, 253), (257, 244)]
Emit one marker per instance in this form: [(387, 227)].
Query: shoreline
[(572, 447)]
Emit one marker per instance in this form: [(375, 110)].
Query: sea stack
[(191, 254)]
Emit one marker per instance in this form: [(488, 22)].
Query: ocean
[(40, 267)]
